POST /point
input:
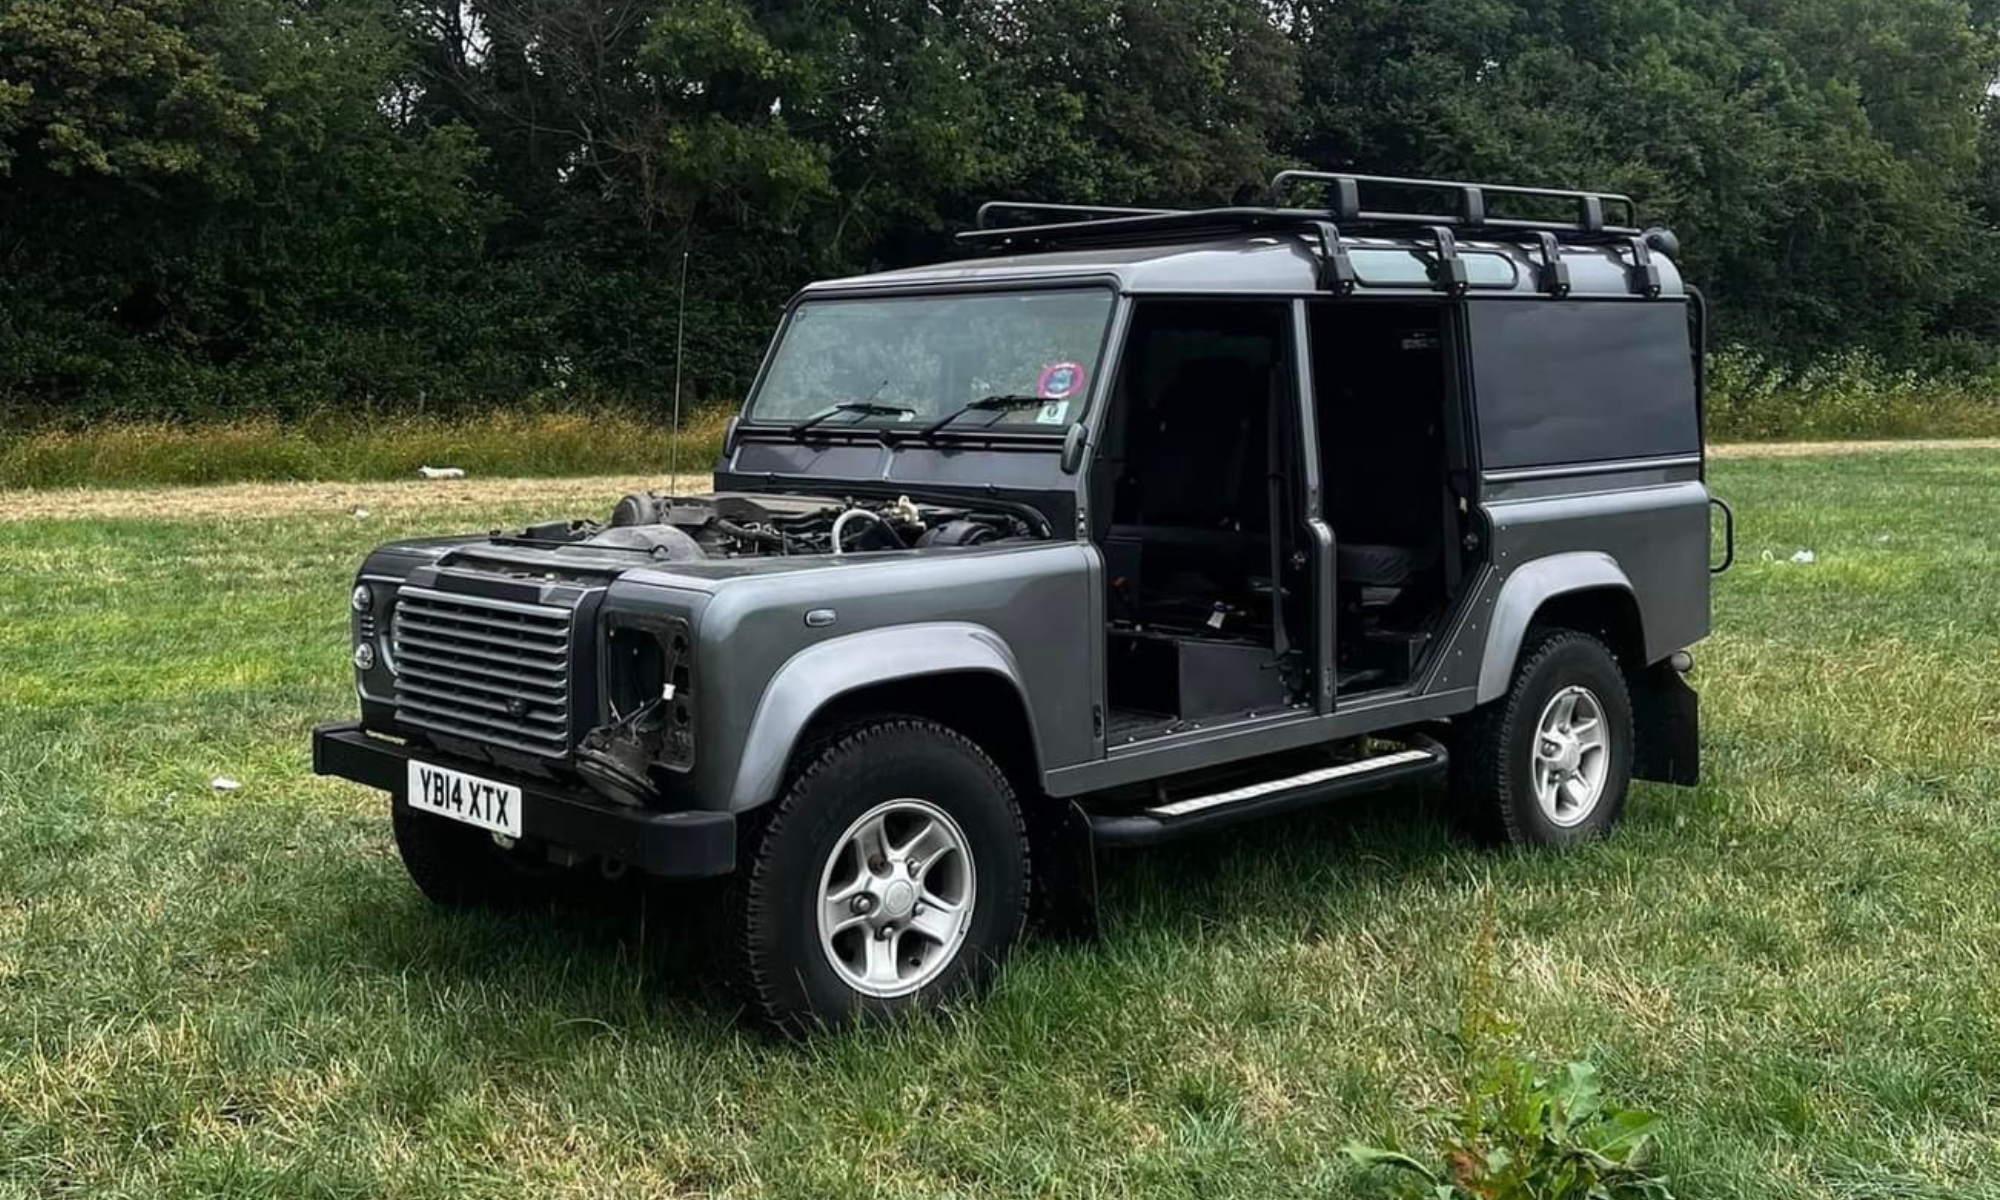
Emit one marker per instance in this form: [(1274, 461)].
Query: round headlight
[(364, 657), (363, 598)]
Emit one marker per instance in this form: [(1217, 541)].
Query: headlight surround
[(388, 639), (374, 606)]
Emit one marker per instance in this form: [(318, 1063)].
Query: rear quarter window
[(1559, 382)]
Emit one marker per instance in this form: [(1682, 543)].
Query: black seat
[(1359, 564)]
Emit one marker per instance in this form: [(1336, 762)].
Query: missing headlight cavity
[(649, 706)]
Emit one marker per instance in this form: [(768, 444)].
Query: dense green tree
[(214, 204), (208, 203), (1818, 158)]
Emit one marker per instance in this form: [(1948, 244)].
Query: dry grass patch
[(270, 501)]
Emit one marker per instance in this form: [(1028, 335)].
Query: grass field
[(208, 993)]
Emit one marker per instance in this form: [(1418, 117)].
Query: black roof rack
[(1470, 210), (1080, 226)]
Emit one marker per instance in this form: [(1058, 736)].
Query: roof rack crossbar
[(1471, 208), (1086, 212), (1143, 225)]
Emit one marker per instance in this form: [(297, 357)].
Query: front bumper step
[(680, 845)]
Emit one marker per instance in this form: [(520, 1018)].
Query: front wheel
[(1550, 762), (893, 873)]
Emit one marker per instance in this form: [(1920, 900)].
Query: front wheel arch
[(833, 675)]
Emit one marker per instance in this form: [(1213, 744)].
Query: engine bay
[(743, 525)]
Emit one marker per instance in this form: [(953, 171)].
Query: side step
[(1424, 759)]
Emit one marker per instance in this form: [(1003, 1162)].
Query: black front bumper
[(685, 845)]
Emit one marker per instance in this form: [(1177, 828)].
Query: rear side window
[(1575, 381), (1407, 268)]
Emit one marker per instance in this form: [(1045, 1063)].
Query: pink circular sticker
[(1060, 381)]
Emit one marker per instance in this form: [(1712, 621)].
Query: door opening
[(1199, 472), (1385, 404)]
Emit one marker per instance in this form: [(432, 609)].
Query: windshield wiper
[(1005, 402), (866, 408)]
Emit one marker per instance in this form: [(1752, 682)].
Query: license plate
[(467, 798)]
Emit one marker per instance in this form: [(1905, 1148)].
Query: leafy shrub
[(1850, 394), (1516, 1133), (1535, 1137)]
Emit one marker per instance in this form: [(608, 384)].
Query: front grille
[(490, 671)]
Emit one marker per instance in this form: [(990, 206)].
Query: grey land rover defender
[(1140, 524)]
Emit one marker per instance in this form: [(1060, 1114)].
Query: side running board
[(1178, 818)]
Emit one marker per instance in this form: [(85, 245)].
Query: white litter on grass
[(441, 472), (360, 514), (1805, 558), (222, 783)]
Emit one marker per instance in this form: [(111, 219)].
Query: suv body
[(1154, 522)]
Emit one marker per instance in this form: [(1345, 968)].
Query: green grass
[(240, 994)]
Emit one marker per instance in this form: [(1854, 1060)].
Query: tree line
[(216, 206)]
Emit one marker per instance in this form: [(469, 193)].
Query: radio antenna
[(680, 341)]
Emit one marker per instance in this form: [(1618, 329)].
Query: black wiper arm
[(1005, 402), (866, 408)]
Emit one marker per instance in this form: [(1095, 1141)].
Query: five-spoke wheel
[(1572, 757), (897, 895)]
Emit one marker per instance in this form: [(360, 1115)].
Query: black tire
[(457, 866), (1493, 753), (786, 973)]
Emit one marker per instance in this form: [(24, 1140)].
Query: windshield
[(921, 358)]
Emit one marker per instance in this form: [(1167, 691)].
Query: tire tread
[(754, 904)]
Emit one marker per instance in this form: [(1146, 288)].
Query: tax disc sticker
[(1055, 412), (1060, 381)]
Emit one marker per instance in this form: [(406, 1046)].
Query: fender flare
[(824, 672), (1522, 595)]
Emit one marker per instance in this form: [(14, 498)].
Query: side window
[(1576, 381), (1407, 268)]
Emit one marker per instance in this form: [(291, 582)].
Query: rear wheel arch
[(1609, 614), (1595, 599), (1583, 590)]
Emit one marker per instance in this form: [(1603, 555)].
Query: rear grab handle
[(1728, 536)]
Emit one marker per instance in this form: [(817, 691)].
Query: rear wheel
[(892, 874), (457, 866), (1550, 762)]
